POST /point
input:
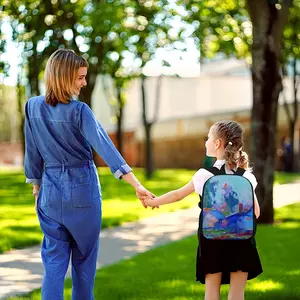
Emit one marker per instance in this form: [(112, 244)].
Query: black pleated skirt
[(214, 256)]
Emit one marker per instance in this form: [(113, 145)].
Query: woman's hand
[(35, 193), (36, 198), (143, 194)]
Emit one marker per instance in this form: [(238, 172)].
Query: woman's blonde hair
[(60, 74), (231, 134)]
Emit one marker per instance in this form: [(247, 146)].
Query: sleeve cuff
[(125, 169), (34, 181)]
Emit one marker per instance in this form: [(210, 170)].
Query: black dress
[(214, 256)]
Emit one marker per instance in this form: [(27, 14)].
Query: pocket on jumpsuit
[(44, 200), (81, 195)]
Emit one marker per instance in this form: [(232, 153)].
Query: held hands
[(143, 194), (150, 202)]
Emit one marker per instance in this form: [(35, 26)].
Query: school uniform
[(225, 256), (58, 157)]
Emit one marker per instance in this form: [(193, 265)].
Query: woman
[(59, 135)]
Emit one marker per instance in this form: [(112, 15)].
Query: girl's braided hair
[(231, 133)]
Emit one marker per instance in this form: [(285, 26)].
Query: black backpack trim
[(216, 171)]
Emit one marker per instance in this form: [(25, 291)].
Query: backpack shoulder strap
[(214, 170), (240, 171)]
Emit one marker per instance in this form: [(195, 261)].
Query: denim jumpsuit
[(58, 157)]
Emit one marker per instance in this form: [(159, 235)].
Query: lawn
[(19, 225), (282, 178), (167, 273)]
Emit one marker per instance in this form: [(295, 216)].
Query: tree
[(224, 26), (21, 104), (116, 95), (268, 19), (151, 24), (44, 26), (4, 66), (41, 27), (102, 28), (291, 57)]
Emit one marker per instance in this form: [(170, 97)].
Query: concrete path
[(22, 271)]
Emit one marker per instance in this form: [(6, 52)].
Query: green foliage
[(291, 48), (100, 30), (221, 26), (282, 177), (4, 67), (225, 26)]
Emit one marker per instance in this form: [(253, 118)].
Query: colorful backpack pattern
[(227, 206)]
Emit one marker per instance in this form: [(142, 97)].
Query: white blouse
[(202, 175)]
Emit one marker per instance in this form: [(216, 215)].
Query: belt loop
[(63, 167)]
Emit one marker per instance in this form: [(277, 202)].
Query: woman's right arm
[(97, 137)]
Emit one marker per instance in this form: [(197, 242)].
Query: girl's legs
[(212, 286), (238, 282)]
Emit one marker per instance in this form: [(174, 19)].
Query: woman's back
[(56, 131)]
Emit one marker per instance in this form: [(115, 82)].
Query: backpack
[(227, 204)]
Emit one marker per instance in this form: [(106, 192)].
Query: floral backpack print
[(227, 204)]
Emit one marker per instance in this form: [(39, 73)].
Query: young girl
[(221, 261), (59, 136)]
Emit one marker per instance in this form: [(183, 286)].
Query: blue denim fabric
[(59, 158), (63, 135), (69, 211)]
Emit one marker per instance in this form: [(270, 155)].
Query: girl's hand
[(142, 194), (151, 202)]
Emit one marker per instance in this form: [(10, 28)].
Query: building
[(187, 109)]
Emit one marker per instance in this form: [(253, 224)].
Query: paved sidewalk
[(22, 271)]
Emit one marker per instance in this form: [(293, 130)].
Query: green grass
[(19, 225), (282, 178), (168, 272)]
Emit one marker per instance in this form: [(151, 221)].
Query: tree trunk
[(147, 127), (33, 74), (86, 93), (120, 120), (292, 116), (268, 23), (148, 147), (295, 116), (20, 96)]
